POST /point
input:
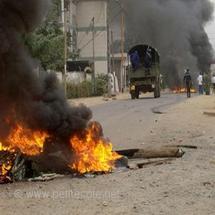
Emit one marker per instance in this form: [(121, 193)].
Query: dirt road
[(186, 186), (127, 122)]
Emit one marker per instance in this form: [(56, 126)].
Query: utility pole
[(113, 60), (93, 39), (108, 37), (64, 22), (63, 12), (122, 27), (112, 53), (110, 71)]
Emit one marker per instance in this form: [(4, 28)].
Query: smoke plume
[(176, 29), (34, 100)]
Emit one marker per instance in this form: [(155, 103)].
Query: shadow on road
[(145, 98)]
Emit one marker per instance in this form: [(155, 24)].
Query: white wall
[(212, 68), (86, 10), (101, 67)]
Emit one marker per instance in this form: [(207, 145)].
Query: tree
[(47, 42)]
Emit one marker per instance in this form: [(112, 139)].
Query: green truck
[(144, 71)]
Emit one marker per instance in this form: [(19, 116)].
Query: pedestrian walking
[(200, 83), (213, 83), (188, 82)]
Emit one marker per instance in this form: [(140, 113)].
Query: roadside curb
[(93, 101)]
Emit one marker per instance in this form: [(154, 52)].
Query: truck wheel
[(159, 93), (137, 94), (155, 93)]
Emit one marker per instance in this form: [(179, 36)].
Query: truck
[(144, 72)]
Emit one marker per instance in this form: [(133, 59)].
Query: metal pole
[(109, 50), (112, 52), (122, 48), (93, 38), (108, 36), (64, 21), (62, 12), (113, 61)]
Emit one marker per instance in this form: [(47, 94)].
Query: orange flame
[(4, 148), (92, 153), (29, 142), (23, 139), (178, 90), (193, 90), (5, 168)]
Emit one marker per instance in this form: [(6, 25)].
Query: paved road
[(126, 122)]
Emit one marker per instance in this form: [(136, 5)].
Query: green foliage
[(85, 89), (55, 11), (47, 42), (206, 83), (101, 84)]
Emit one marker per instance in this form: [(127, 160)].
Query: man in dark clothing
[(148, 59), (135, 60), (188, 82)]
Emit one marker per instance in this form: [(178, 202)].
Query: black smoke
[(175, 28), (37, 101)]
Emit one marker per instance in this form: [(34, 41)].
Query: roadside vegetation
[(86, 89), (46, 42)]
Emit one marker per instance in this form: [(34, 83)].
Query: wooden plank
[(183, 146), (209, 113), (159, 152)]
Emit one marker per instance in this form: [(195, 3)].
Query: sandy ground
[(186, 186), (93, 101)]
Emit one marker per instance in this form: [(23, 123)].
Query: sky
[(210, 29)]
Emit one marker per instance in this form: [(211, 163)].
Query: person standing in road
[(213, 82), (200, 83), (188, 82)]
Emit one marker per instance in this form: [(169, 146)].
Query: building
[(116, 67), (212, 67), (91, 39), (87, 21)]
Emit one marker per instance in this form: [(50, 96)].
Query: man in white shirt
[(200, 83)]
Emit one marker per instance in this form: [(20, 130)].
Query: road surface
[(183, 186), (126, 122)]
